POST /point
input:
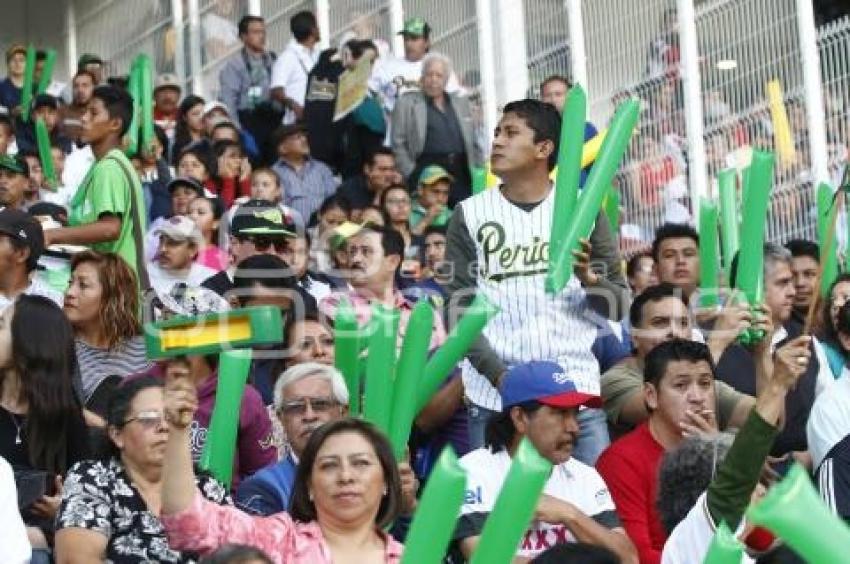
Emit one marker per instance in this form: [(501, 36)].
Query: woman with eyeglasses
[(346, 490), (42, 431), (110, 510)]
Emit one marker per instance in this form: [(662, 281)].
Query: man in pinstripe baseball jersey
[(498, 245)]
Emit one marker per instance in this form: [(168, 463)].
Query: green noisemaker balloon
[(460, 338), (709, 269), (132, 145), (146, 93), (827, 215), (794, 512), (479, 179), (514, 507), (411, 365), (566, 187), (27, 88), (437, 512), (724, 547), (380, 366), (611, 204), (47, 71), (347, 352), (42, 138), (728, 216), (220, 448), (598, 182), (750, 275)]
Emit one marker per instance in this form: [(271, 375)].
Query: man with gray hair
[(434, 127), (736, 366), (306, 396)]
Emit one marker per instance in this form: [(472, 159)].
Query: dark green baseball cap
[(15, 164), (416, 27), (89, 59)]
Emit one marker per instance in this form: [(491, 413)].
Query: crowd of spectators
[(269, 196)]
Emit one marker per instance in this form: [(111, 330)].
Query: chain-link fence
[(632, 49), (742, 50), (546, 42)]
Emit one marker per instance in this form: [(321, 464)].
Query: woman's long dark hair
[(182, 135), (44, 358)]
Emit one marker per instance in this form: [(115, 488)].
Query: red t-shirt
[(630, 468)]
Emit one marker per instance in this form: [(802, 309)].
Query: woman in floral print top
[(110, 508)]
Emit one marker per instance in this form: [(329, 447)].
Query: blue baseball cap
[(545, 382)]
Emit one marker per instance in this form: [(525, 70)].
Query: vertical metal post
[(486, 58), (71, 47), (813, 91), (195, 48), (691, 82), (396, 25), (513, 78), (578, 55), (254, 8), (323, 18), (179, 41)]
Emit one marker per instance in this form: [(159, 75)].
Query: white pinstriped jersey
[(512, 248)]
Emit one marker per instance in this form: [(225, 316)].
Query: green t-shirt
[(105, 190), (418, 212)]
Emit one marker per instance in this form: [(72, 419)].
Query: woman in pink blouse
[(346, 491)]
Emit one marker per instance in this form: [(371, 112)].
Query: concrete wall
[(40, 22)]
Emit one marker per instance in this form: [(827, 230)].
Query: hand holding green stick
[(436, 516), (566, 185), (598, 182), (750, 275)]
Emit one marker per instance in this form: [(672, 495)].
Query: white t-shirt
[(689, 541), (392, 77), (14, 545), (572, 481), (36, 288), (290, 71), (163, 280), (829, 420)]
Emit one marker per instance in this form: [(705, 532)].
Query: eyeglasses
[(299, 406), (148, 419)]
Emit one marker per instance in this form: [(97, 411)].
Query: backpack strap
[(141, 269)]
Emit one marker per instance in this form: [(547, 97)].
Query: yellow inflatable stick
[(782, 137)]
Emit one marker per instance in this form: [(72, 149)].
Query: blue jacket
[(268, 491)]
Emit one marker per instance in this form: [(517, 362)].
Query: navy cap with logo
[(16, 164), (259, 218), (545, 382), (24, 228)]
